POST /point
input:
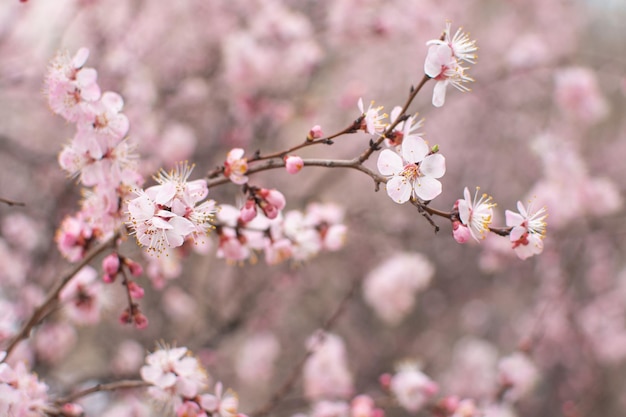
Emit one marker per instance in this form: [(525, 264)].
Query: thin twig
[(11, 202), (44, 309)]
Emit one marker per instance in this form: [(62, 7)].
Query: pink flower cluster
[(292, 235), (165, 215), (98, 154), (178, 380)]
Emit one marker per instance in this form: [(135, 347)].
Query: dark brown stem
[(47, 306)]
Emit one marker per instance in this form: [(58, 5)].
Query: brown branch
[(112, 386), (47, 306), (11, 202), (291, 380)]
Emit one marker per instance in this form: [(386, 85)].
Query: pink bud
[(315, 133), (385, 380), (248, 211), (71, 410), (111, 264), (274, 197), (108, 278), (135, 269), (431, 388), (141, 321), (135, 290), (293, 164), (460, 232)]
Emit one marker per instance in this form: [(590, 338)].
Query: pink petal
[(433, 166), (438, 57), (427, 188), (389, 162), (414, 149), (399, 189), (113, 101), (80, 58)]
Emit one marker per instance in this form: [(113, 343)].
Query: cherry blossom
[(528, 230), (412, 388), (415, 173), (475, 214), (372, 120), (325, 372), (173, 374), (462, 46), (236, 166), (442, 66)]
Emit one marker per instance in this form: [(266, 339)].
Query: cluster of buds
[(114, 265)]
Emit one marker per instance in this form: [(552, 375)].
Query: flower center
[(411, 172)]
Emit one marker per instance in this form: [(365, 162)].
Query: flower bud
[(111, 265), (248, 211), (315, 133), (294, 164), (460, 232)]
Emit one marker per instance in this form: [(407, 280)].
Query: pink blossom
[(83, 297), (74, 237), (518, 374), (327, 408), (476, 214), (326, 373), (54, 341), (256, 357), (221, 404), (363, 406), (21, 392), (578, 95), (70, 87), (460, 44), (293, 164), (412, 388), (372, 120), (236, 166), (173, 374), (460, 232), (392, 287), (528, 230), (442, 66), (415, 173)]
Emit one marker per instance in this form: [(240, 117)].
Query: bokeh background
[(544, 121)]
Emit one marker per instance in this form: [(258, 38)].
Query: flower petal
[(389, 162), (399, 189), (433, 166), (427, 188), (414, 149), (439, 93)]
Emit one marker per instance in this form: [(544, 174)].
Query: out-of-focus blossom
[(529, 229), (83, 297), (222, 404), (391, 288), (174, 375), (327, 408), (21, 392), (255, 360), (415, 173), (578, 95), (325, 372), (53, 341), (315, 133), (517, 373), (412, 388)]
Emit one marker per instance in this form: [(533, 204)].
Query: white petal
[(439, 93), (433, 166), (399, 189), (414, 149), (112, 101), (389, 162), (427, 188), (464, 212), (513, 219)]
